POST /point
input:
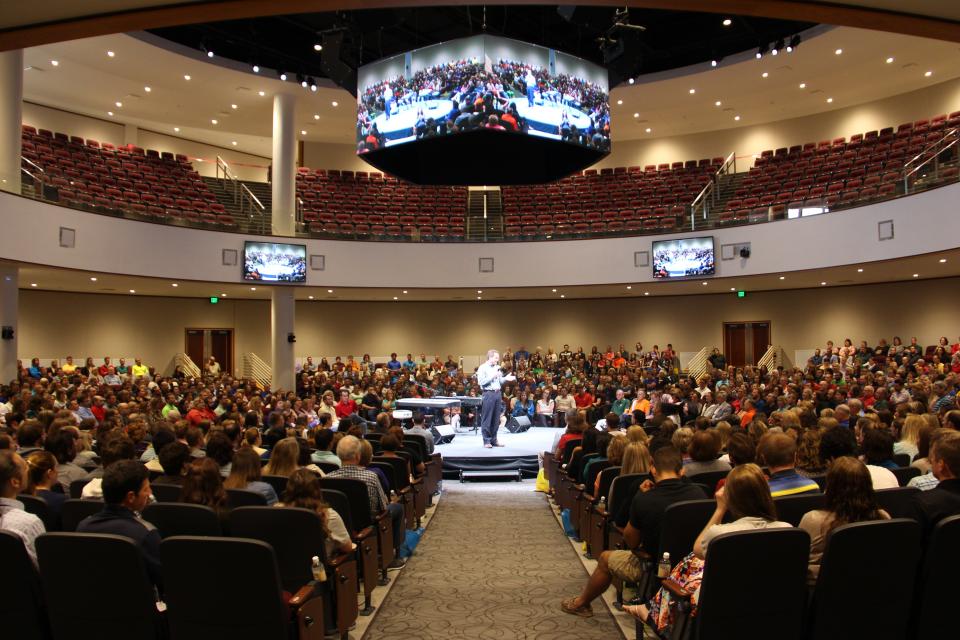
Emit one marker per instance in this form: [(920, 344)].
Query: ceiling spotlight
[(479, 298), (630, 81), (147, 89), (55, 63), (649, 129), (717, 103), (646, 293), (174, 284), (404, 290), (916, 275), (838, 51), (395, 298), (233, 106), (783, 277), (133, 290), (636, 115), (176, 129), (764, 74), (943, 260), (733, 288), (629, 287), (283, 76), (109, 113), (313, 87), (774, 51), (303, 83), (213, 121), (186, 77), (318, 47), (209, 54), (329, 290), (890, 60), (303, 132), (261, 93), (704, 283), (727, 22), (803, 85), (619, 101), (737, 118), (562, 295), (829, 100), (310, 297), (762, 49), (553, 290), (713, 63), (479, 290), (794, 43), (118, 103), (692, 91), (110, 54), (233, 142), (253, 288), (928, 74), (33, 284), (256, 68), (823, 284), (93, 278), (859, 270)]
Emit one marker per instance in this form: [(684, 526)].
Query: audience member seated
[(419, 429), (220, 449), (642, 531), (303, 491), (943, 500), (174, 458), (348, 450), (13, 517), (203, 484), (126, 491), (877, 448), (849, 498), (162, 436), (704, 452), (62, 444), (747, 495), (245, 473), (779, 451), (323, 441), (838, 442), (284, 458), (116, 447), (42, 481)]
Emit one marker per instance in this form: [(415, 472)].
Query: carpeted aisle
[(493, 564)]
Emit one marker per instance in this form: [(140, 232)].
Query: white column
[(284, 172), (9, 306), (11, 114), (282, 311)]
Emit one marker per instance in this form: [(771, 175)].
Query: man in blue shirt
[(409, 364), (490, 377), (393, 364), (779, 451)]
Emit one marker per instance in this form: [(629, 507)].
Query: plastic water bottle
[(319, 571), (663, 569)]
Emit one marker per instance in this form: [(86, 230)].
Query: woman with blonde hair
[(283, 458), (637, 433), (636, 459), (910, 436), (246, 473)]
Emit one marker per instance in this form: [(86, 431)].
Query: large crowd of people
[(484, 98)]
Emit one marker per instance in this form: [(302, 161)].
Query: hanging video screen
[(482, 83), (683, 258), (274, 262)]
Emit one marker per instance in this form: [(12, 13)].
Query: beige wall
[(747, 141), (55, 324), (325, 155), (72, 124)]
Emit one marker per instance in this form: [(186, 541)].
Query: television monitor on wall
[(683, 258), (274, 262)]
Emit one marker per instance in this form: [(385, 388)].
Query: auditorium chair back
[(243, 498), (356, 493), (39, 507), (96, 585), (938, 579), (73, 512), (21, 598), (898, 502), (166, 492), (792, 508), (180, 519)]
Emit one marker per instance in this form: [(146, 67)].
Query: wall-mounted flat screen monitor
[(684, 258), (274, 262)]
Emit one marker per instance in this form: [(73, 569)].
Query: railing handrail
[(771, 355), (932, 156), (697, 365), (951, 132), (32, 164), (254, 368), (711, 186), (187, 364), (253, 197)]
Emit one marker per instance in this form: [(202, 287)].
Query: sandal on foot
[(635, 611), (585, 611)]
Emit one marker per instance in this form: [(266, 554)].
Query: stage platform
[(467, 453)]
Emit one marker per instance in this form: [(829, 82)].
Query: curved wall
[(923, 223)]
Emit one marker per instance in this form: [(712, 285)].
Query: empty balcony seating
[(617, 200), (128, 179), (361, 204)]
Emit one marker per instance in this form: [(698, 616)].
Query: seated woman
[(849, 497), (747, 496), (42, 481), (878, 448), (303, 491), (204, 485), (545, 410), (523, 406), (390, 445), (246, 473), (704, 449), (283, 458)]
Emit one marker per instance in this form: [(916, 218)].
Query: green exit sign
[(215, 299), (741, 294)]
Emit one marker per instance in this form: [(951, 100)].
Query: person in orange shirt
[(747, 413), (641, 403)]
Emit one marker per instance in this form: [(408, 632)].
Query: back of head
[(162, 438), (366, 453), (322, 439), (39, 463), (173, 457), (613, 421), (849, 492), (203, 484), (62, 444), (121, 478), (741, 449), (777, 450), (667, 460), (117, 447), (29, 434), (636, 459), (283, 458), (704, 446), (877, 446), (682, 438), (348, 449), (389, 442), (748, 494), (303, 491), (615, 450), (246, 468), (220, 448), (945, 448), (837, 442)]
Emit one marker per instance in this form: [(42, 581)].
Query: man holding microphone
[(490, 377)]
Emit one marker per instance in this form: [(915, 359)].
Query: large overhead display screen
[(274, 262), (683, 258), (482, 84)]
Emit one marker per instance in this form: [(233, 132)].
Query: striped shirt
[(790, 483), (925, 482)]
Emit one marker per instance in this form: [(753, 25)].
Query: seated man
[(114, 449), (348, 450), (174, 458), (13, 518), (943, 500), (779, 452), (642, 531), (126, 491), (322, 440), (418, 429)]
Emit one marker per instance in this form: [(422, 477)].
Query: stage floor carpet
[(467, 453)]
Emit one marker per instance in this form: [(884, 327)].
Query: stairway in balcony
[(484, 214), (247, 221), (726, 188)]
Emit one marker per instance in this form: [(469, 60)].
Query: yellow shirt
[(140, 370), (69, 368)]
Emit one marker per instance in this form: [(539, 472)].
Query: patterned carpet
[(494, 565)]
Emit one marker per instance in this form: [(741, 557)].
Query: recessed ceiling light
[(479, 298), (629, 287), (783, 277), (859, 270), (283, 77), (717, 103), (176, 129), (329, 290), (261, 93), (213, 121), (404, 290), (133, 290), (174, 284), (318, 47), (209, 54), (829, 100), (310, 297), (316, 116), (636, 115), (733, 288), (648, 129), (253, 288), (928, 74), (562, 295), (304, 83), (118, 103), (223, 295), (479, 290), (335, 103), (803, 85), (554, 290), (727, 22), (630, 81), (737, 118), (822, 284), (55, 63), (109, 113), (303, 132), (147, 89), (233, 106), (838, 51), (33, 284), (110, 54), (646, 293), (916, 275), (713, 63), (890, 60), (186, 77), (692, 91), (943, 259), (256, 68), (619, 101), (764, 75), (704, 283), (233, 142), (395, 298), (93, 278)]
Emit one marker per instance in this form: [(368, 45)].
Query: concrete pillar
[(282, 312), (9, 307), (284, 165), (131, 134), (11, 117)]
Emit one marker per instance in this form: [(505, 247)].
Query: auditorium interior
[(451, 320)]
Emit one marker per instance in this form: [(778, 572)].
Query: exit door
[(200, 344), (745, 342)]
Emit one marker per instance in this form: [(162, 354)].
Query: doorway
[(200, 344), (745, 342)]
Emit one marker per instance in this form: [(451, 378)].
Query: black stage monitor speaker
[(442, 433), (518, 424)]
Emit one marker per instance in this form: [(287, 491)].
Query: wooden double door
[(745, 342), (203, 343)]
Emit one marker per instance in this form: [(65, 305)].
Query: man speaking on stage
[(490, 377)]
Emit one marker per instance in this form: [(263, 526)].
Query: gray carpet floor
[(492, 564)]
